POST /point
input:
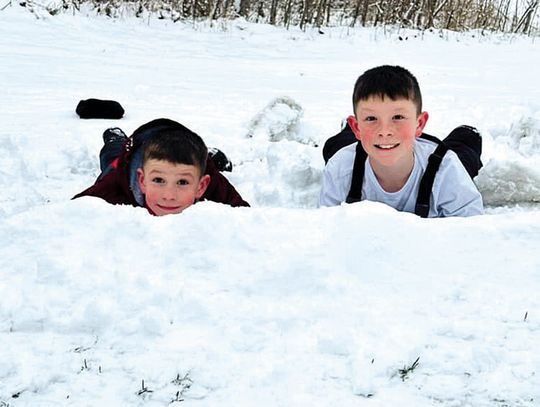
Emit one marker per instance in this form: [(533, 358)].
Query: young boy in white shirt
[(388, 122)]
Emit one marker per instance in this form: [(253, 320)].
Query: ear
[(140, 178), (421, 123), (353, 124), (203, 184)]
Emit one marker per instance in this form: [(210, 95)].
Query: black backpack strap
[(344, 138), (355, 193), (426, 183)]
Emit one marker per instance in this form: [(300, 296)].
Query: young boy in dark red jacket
[(163, 166)]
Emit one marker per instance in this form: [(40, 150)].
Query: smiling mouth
[(386, 146), (169, 208)]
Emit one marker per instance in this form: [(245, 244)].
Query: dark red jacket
[(114, 186)]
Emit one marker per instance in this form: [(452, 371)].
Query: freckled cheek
[(409, 126), (156, 194), (367, 132), (186, 198)]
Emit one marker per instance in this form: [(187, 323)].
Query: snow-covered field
[(281, 304)]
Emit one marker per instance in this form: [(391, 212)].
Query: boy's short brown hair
[(389, 81), (177, 145)]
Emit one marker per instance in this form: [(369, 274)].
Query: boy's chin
[(169, 213)]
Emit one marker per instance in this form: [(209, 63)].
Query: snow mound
[(283, 167), (524, 136), (279, 120), (284, 174), (293, 178), (513, 174), (508, 182)]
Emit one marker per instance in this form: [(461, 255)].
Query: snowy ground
[(281, 304)]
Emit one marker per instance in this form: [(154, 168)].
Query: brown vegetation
[(509, 16)]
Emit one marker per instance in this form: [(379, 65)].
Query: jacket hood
[(148, 130)]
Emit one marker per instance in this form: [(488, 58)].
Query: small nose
[(169, 193), (386, 128)]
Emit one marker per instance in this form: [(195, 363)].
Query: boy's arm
[(454, 191), (220, 189), (113, 188)]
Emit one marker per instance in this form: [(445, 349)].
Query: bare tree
[(524, 23), (459, 15)]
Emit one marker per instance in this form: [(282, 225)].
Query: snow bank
[(267, 306)]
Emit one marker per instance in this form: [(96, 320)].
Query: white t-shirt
[(453, 193)]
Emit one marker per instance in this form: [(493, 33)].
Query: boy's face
[(388, 129), (170, 188)]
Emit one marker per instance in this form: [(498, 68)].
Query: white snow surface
[(283, 303)]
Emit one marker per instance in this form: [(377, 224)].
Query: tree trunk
[(273, 12), (245, 6)]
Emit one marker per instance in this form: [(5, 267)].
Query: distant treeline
[(509, 16)]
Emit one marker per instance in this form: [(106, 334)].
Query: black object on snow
[(99, 109)]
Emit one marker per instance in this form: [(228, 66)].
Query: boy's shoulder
[(423, 148), (451, 177), (343, 159), (347, 151), (450, 163)]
